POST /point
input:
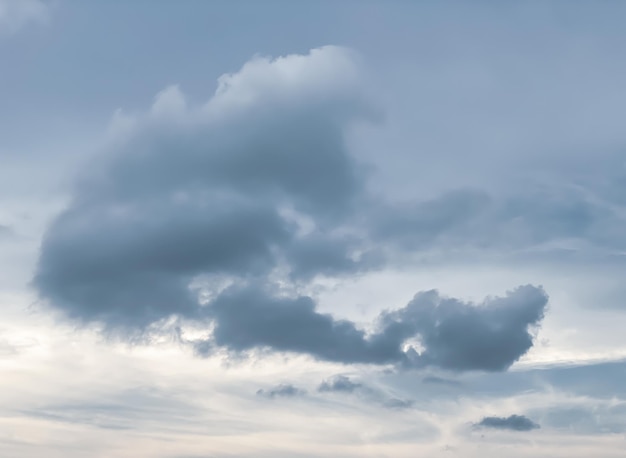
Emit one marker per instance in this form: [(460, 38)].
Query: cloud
[(459, 336), (339, 383), (15, 14), (252, 317), (281, 391), (221, 190), (254, 189), (512, 423), (454, 335), (343, 385)]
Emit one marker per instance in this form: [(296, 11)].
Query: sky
[(312, 229)]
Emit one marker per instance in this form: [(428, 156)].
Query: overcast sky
[(302, 229)]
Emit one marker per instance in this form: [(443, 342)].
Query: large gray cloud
[(255, 185), (195, 192)]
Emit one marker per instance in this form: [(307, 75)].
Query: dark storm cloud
[(455, 335), (512, 423), (281, 391)]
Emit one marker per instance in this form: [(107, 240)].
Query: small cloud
[(512, 423), (339, 383), (281, 391)]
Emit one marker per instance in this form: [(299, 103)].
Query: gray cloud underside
[(512, 423), (454, 335), (259, 183)]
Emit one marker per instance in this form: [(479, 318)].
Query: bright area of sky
[(343, 229)]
